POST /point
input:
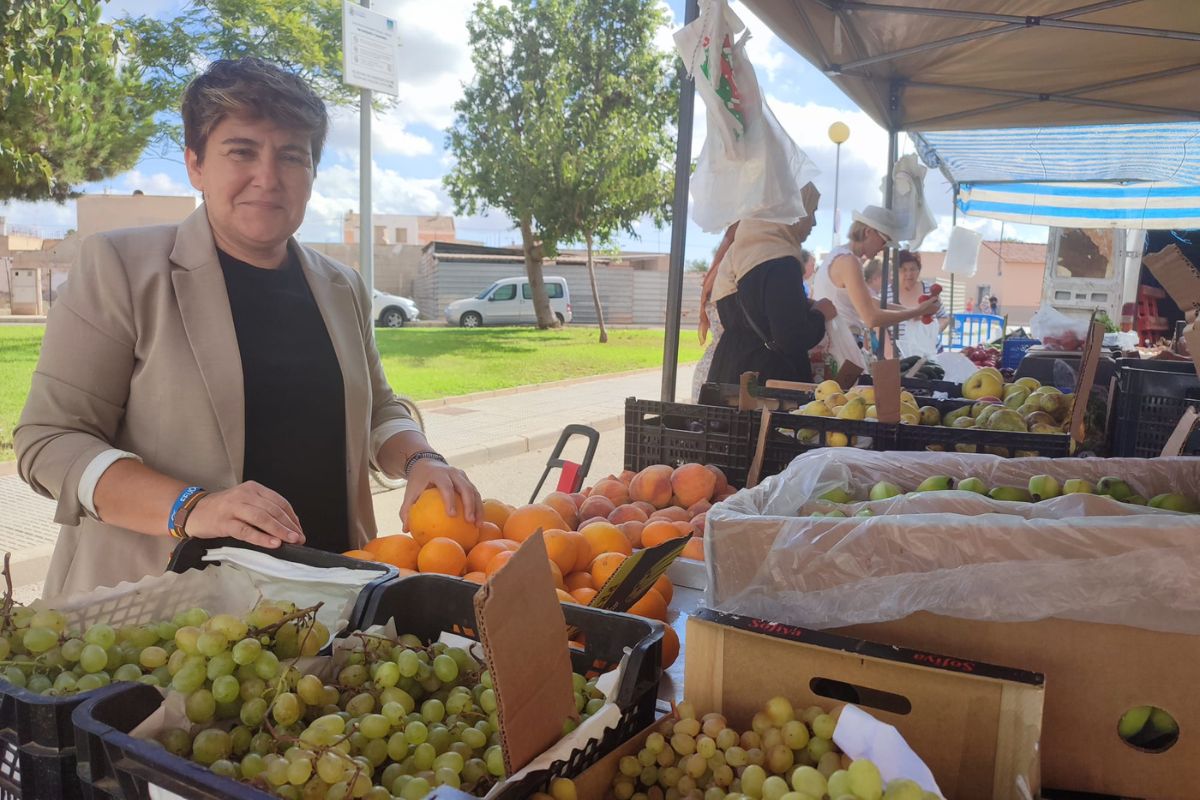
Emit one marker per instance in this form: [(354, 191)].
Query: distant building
[(1012, 271), (401, 229), (97, 213)]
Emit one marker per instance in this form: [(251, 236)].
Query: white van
[(509, 301)]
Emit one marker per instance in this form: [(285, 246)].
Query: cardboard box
[(975, 725), (595, 781), (1181, 281), (1094, 673)]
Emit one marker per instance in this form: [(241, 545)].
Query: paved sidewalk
[(472, 430)]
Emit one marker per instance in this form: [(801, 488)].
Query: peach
[(700, 523), (649, 508), (627, 513), (583, 523), (725, 496), (633, 531), (673, 513), (596, 505), (693, 483), (694, 549), (626, 476), (613, 489), (722, 482), (562, 503), (577, 498), (524, 521), (658, 531), (684, 528), (699, 508), (653, 485)]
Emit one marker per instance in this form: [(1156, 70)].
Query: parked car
[(509, 301), (392, 310)]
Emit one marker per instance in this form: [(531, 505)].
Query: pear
[(972, 485), (836, 400), (1133, 720), (984, 414), (1115, 488), (1135, 500), (1174, 502), (808, 436), (910, 419), (836, 513), (1016, 399), (866, 512), (1044, 487), (835, 439), (963, 422), (1032, 384), (872, 412), (838, 495), (1040, 428), (982, 406), (1010, 493), (1163, 723), (965, 448), (1047, 389), (1056, 405), (948, 419), (1077, 486), (930, 415), (814, 409), (1038, 417), (883, 490), (856, 409), (907, 397), (1006, 420), (996, 451), (936, 483), (826, 388), (867, 393)]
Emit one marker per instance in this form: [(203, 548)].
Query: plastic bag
[(914, 219), (1056, 330), (843, 346), (1080, 556), (920, 339), (749, 168)]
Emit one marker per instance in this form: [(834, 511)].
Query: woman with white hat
[(840, 276)]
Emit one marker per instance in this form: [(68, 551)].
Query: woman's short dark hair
[(905, 256), (253, 88), (805, 255)]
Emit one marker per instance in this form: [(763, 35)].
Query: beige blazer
[(140, 354)]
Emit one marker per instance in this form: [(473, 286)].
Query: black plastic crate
[(922, 387), (793, 434), (37, 738), (679, 433), (190, 555), (1003, 443), (113, 764), (1151, 397)]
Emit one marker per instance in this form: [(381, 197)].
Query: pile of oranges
[(588, 535)]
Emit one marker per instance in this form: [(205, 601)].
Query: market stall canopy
[(961, 64), (1122, 176)]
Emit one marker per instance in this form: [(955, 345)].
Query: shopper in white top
[(840, 276)]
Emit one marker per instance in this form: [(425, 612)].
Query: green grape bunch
[(786, 755), (395, 718)]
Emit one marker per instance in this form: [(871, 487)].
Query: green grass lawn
[(422, 363)]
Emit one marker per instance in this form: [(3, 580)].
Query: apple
[(826, 388), (838, 495), (1132, 721), (1010, 493), (983, 383), (1077, 486), (1044, 487), (972, 485), (883, 490), (1115, 488), (1174, 502), (1032, 384), (936, 483), (814, 409)]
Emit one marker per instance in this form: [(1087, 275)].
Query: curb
[(437, 402), (516, 445)]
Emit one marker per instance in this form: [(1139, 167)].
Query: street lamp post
[(838, 133)]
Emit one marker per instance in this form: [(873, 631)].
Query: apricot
[(597, 505), (565, 506), (524, 521), (633, 531), (653, 485), (722, 483), (627, 513), (672, 514), (613, 489), (700, 523), (692, 483), (658, 531)]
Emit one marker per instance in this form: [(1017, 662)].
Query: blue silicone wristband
[(184, 496)]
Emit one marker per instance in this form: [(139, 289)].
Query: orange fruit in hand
[(604, 566), (482, 553), (428, 519), (664, 587), (670, 647), (651, 605), (399, 550), (442, 555)]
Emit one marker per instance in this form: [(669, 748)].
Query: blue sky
[(409, 158)]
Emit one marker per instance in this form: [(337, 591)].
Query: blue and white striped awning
[(1107, 176)]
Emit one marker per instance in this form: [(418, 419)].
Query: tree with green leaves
[(507, 132), (619, 121), (73, 105)]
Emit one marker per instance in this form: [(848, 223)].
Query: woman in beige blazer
[(186, 369)]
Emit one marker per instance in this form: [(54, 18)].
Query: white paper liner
[(859, 735)]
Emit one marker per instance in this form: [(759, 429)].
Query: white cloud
[(336, 192), (763, 47), (388, 135), (155, 183)]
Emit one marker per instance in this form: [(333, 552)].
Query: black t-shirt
[(295, 406)]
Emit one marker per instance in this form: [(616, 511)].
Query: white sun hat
[(881, 219)]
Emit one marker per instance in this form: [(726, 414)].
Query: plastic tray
[(37, 738), (1151, 397), (1014, 351), (113, 764)]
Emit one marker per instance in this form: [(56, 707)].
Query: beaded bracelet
[(186, 501), (415, 457)]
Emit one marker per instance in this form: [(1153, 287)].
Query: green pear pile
[(1024, 406), (1040, 487)]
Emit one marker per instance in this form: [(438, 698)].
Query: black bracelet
[(415, 457)]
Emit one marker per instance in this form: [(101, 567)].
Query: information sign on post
[(371, 49)]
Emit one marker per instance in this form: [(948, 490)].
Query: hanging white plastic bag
[(842, 344), (749, 168), (1056, 330), (919, 339), (914, 219)]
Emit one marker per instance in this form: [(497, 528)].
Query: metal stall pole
[(679, 208), (887, 253)]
